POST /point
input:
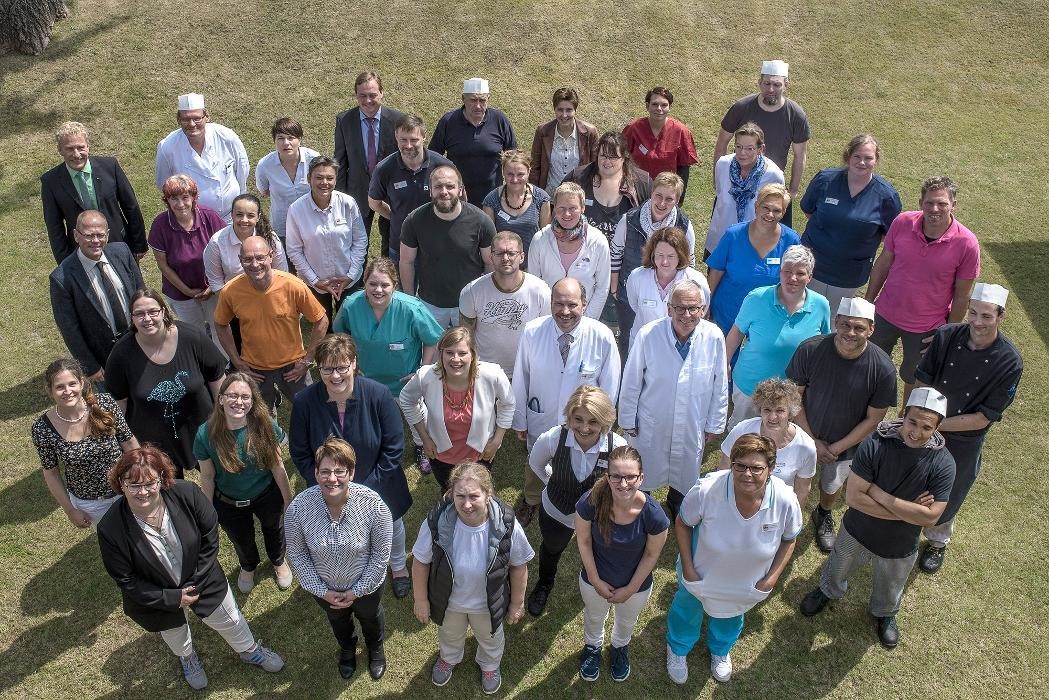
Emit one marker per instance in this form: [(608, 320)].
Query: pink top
[(457, 421), (669, 151), (568, 258), (919, 289)]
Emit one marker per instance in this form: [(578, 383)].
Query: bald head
[(91, 217), (567, 303), (91, 233), (570, 286), (256, 257)]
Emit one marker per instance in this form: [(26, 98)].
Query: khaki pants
[(452, 638)]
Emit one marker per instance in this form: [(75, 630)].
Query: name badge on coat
[(396, 346), (830, 200), (644, 151), (400, 185), (504, 216), (772, 261)]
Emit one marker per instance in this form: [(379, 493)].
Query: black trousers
[(330, 304), (555, 540), (239, 526), (369, 613), (442, 471), (674, 499)]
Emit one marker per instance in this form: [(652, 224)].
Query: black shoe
[(888, 632), (376, 662), (932, 558), (402, 586), (823, 523), (537, 601), (347, 663), (815, 601)]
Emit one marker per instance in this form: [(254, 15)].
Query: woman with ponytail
[(620, 531), (242, 473), (87, 433)]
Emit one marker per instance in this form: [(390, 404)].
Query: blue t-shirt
[(250, 481), (744, 270), (524, 224), (845, 231), (618, 559), (773, 336)]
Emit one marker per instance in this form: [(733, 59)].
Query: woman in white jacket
[(460, 407), (570, 247)]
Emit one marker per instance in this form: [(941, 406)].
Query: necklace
[(467, 395), (524, 198), (71, 420)]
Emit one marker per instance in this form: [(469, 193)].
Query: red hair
[(135, 465)]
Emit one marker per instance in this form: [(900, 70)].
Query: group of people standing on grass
[(555, 295)]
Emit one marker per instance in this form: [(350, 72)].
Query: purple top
[(184, 250)]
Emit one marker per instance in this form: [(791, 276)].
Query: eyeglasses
[(690, 310), (505, 253), (609, 157), (246, 398), (191, 120), (628, 479), (151, 313), (341, 369), (754, 469), (137, 488), (338, 473), (245, 259), (94, 236)]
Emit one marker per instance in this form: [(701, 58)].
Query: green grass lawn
[(948, 88)]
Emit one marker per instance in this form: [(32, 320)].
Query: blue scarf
[(744, 191)]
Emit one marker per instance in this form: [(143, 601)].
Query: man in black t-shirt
[(900, 482), (847, 386), (978, 369), (444, 246)]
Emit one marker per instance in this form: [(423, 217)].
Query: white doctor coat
[(673, 402), (220, 171), (642, 293), (542, 384)]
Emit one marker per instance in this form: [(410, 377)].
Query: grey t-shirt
[(785, 126), (838, 391)]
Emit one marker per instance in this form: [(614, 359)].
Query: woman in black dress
[(165, 375)]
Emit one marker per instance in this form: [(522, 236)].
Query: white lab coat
[(542, 384), (642, 293), (673, 402), (593, 266), (220, 171)]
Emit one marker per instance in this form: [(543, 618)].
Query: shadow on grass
[(24, 399), (77, 597), (27, 500), (1025, 265), (14, 198)]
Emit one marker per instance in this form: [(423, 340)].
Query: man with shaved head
[(91, 293), (557, 354)]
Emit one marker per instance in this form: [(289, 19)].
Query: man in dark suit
[(91, 293), (82, 183), (363, 137)]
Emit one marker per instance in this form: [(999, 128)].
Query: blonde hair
[(594, 401)]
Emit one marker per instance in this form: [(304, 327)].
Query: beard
[(446, 206), (770, 100)]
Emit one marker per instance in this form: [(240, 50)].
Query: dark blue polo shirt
[(475, 149), (403, 189)]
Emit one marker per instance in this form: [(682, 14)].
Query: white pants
[(742, 409), (397, 552), (200, 314), (448, 318), (95, 509), (452, 638), (595, 613), (226, 620)]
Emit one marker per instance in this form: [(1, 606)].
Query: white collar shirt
[(220, 169), (329, 242), (272, 179)]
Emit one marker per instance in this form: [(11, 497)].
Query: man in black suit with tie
[(82, 183), (364, 136), (91, 293)]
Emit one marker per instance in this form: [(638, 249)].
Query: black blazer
[(151, 596), (78, 312), (116, 200), (353, 175)]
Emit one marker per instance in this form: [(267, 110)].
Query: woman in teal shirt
[(395, 333), (242, 473)]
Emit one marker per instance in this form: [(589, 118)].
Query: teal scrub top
[(392, 347), (250, 481)]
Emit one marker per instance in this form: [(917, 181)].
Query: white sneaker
[(677, 667), (721, 667)]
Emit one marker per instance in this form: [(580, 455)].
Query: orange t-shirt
[(269, 320)]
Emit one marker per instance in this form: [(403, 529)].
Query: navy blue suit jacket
[(78, 312), (116, 200), (372, 426)]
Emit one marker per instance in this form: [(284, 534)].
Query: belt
[(245, 502)]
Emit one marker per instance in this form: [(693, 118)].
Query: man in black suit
[(82, 183), (91, 293), (363, 137)]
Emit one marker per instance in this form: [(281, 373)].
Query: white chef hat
[(856, 306), (928, 398), (190, 101), (775, 68), (475, 86), (994, 293)]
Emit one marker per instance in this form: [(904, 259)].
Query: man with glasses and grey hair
[(674, 396), (211, 154)]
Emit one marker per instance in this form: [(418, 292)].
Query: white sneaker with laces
[(721, 667), (677, 667)]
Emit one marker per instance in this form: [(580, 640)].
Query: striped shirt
[(350, 554)]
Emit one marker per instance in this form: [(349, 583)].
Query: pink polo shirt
[(918, 292)]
